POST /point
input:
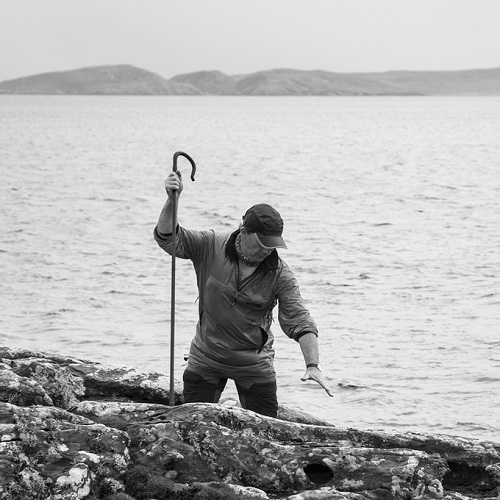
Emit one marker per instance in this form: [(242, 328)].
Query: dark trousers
[(260, 398)]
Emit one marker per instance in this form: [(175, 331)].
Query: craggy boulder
[(68, 380), (22, 391), (63, 381), (73, 429), (55, 451), (242, 447)]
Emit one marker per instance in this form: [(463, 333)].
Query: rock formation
[(74, 429)]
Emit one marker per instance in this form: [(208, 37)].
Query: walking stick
[(172, 295)]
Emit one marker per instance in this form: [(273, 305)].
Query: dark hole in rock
[(463, 477), (318, 473)]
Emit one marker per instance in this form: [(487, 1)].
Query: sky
[(172, 37)]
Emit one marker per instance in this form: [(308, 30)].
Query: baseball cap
[(266, 222)]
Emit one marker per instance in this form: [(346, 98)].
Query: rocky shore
[(74, 429)]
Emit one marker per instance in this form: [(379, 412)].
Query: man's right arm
[(190, 244), (172, 183), (164, 226)]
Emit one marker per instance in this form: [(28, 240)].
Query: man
[(240, 280)]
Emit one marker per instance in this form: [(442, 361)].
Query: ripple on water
[(394, 241)]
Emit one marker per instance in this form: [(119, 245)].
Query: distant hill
[(129, 80), (100, 80)]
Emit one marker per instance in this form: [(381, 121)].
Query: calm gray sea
[(391, 208)]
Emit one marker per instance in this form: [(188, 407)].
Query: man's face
[(252, 247)]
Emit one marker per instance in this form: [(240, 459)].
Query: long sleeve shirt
[(233, 336)]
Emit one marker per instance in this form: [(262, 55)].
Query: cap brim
[(271, 242)]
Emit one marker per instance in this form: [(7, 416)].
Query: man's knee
[(260, 398), (198, 390)]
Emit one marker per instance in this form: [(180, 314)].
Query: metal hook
[(193, 165)]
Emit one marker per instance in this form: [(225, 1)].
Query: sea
[(391, 208)]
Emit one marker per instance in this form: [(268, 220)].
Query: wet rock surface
[(72, 429)]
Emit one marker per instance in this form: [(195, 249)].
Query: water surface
[(391, 216)]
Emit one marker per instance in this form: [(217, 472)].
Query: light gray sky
[(171, 37)]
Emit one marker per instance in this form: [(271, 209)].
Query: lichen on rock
[(74, 429)]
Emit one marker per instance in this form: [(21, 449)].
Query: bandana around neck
[(241, 255)]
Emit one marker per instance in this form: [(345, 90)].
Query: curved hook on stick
[(174, 250), (193, 165)]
